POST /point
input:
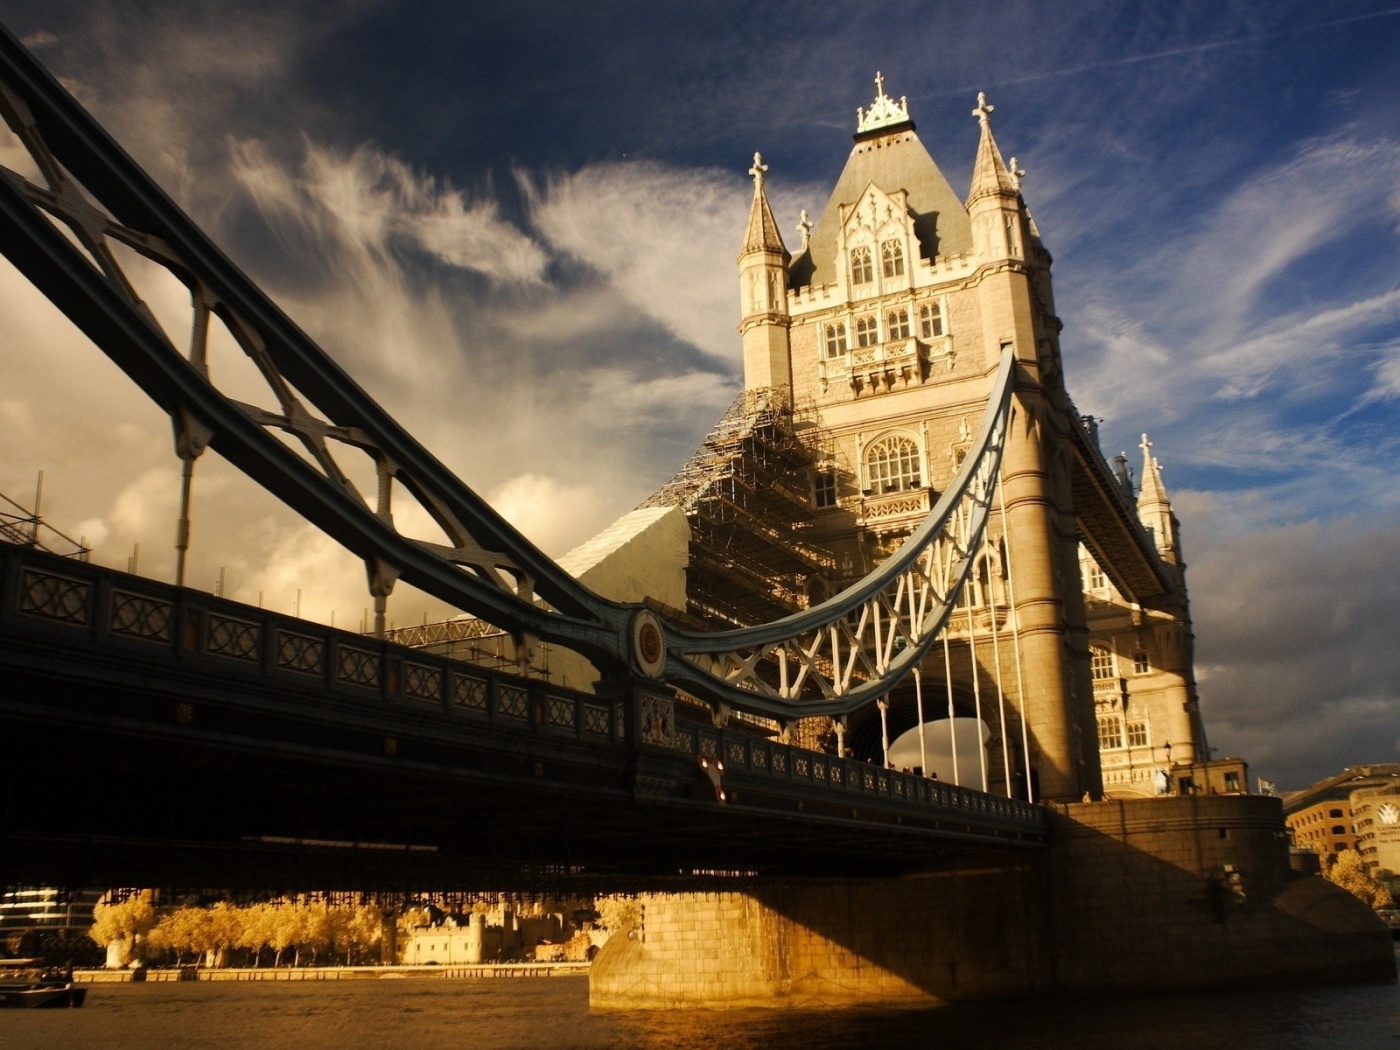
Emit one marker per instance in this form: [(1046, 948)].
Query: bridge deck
[(159, 735)]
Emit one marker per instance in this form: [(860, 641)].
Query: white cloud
[(369, 202), (554, 515), (665, 237)]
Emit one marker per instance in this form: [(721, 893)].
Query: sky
[(515, 226)]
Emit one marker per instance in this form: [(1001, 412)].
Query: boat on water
[(28, 983)]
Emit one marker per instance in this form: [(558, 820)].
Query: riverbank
[(330, 973)]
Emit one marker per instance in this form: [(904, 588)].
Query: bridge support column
[(1134, 897), (917, 941), (1049, 706)]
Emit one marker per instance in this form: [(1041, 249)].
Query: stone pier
[(1137, 896)]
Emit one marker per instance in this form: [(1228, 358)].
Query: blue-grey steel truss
[(827, 660)]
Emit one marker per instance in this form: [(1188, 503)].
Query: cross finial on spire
[(1016, 173), (1146, 446), (984, 108), (758, 169), (804, 227), (879, 84)]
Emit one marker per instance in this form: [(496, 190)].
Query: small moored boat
[(28, 983)]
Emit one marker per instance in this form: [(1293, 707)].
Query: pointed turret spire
[(1153, 507), (762, 235), (989, 174), (1151, 492), (763, 286)]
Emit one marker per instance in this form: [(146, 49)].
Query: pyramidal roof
[(989, 173), (888, 153), (762, 234)]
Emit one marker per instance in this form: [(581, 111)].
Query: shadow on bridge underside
[(160, 736)]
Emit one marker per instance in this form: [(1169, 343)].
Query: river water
[(552, 1014)]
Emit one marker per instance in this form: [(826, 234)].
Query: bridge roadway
[(154, 735)]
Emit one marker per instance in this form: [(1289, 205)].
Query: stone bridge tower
[(898, 304)]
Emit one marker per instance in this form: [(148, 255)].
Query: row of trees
[(311, 931)]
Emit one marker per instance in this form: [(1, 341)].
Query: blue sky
[(516, 225)]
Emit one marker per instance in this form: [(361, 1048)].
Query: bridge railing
[(226, 638), (53, 608), (753, 761)]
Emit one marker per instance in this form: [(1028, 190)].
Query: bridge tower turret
[(1155, 510), (1012, 281), (763, 263)]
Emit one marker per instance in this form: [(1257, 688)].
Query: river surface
[(551, 1013)]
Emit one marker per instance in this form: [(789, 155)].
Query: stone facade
[(900, 301)]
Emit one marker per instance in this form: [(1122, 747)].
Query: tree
[(619, 914), (124, 922), (364, 930), (259, 924), (284, 927), (1349, 872)]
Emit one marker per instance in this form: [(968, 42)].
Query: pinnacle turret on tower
[(763, 281), (762, 234), (990, 174), (994, 199), (1153, 507)]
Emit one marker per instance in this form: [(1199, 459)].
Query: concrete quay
[(331, 973)]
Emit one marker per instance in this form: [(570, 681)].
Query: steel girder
[(830, 659)]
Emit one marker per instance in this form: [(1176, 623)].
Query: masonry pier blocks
[(1135, 896)]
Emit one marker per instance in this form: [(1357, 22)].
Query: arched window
[(892, 465), (1102, 664), (892, 258), (1137, 734), (930, 320), (861, 271), (898, 324), (979, 583), (867, 331), (836, 339)]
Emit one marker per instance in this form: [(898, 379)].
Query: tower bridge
[(903, 527)]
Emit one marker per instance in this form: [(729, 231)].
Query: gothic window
[(892, 258), (892, 465), (1142, 664), (930, 320), (835, 339), (898, 324), (1137, 734), (861, 271), (824, 488), (1094, 578), (1101, 663), (867, 331), (1110, 733), (979, 583)]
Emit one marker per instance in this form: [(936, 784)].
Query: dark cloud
[(1296, 644)]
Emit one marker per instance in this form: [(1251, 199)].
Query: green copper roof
[(894, 161)]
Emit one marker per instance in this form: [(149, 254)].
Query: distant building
[(1358, 809)]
